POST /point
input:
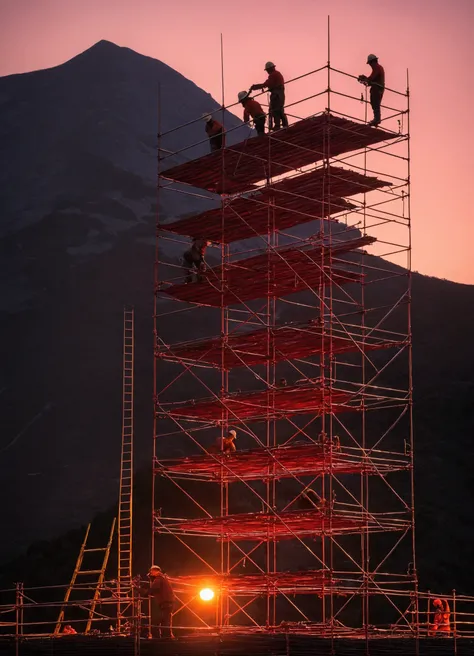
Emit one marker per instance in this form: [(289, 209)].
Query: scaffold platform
[(292, 201), (298, 459), (236, 168), (281, 272), (284, 524), (289, 342), (289, 639), (282, 402)]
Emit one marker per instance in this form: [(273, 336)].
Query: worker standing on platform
[(193, 259), (252, 109), (442, 616), (275, 83), (376, 82), (162, 597), (215, 132)]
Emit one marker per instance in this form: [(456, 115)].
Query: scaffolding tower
[(298, 337)]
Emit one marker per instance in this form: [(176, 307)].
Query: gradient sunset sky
[(434, 39)]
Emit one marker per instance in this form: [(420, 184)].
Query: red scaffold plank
[(300, 459), (307, 582), (284, 525), (269, 403), (289, 342), (277, 273), (294, 201), (238, 167)]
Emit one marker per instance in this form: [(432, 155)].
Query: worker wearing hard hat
[(215, 132), (228, 442), (276, 86), (442, 616), (252, 109), (376, 82), (162, 596)]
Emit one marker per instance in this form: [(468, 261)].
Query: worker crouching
[(215, 131), (162, 599), (252, 109), (441, 620), (193, 259)]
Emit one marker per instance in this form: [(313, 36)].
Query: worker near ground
[(162, 599), (215, 131), (275, 83), (376, 82), (441, 619), (193, 259), (252, 109), (69, 630)]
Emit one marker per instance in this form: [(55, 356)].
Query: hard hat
[(233, 432), (437, 602), (154, 567), (242, 95), (207, 117), (269, 65), (371, 58)]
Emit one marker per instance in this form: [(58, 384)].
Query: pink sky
[(433, 38)]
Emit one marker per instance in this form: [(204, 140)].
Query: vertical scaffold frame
[(302, 345)]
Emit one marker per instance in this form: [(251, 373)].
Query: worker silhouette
[(275, 83), (193, 259), (376, 82), (252, 109), (215, 131), (162, 598)]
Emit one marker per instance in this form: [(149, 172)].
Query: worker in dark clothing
[(275, 83), (162, 597), (441, 619), (215, 132), (193, 259), (376, 82), (252, 109)]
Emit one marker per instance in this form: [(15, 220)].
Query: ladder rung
[(96, 549), (90, 571)]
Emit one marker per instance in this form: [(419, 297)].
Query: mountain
[(78, 198), (77, 191)]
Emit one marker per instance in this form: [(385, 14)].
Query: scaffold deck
[(277, 403), (284, 525), (277, 273), (299, 459), (288, 342), (237, 168), (293, 201)]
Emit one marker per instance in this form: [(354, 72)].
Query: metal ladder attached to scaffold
[(125, 511), (79, 572)]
